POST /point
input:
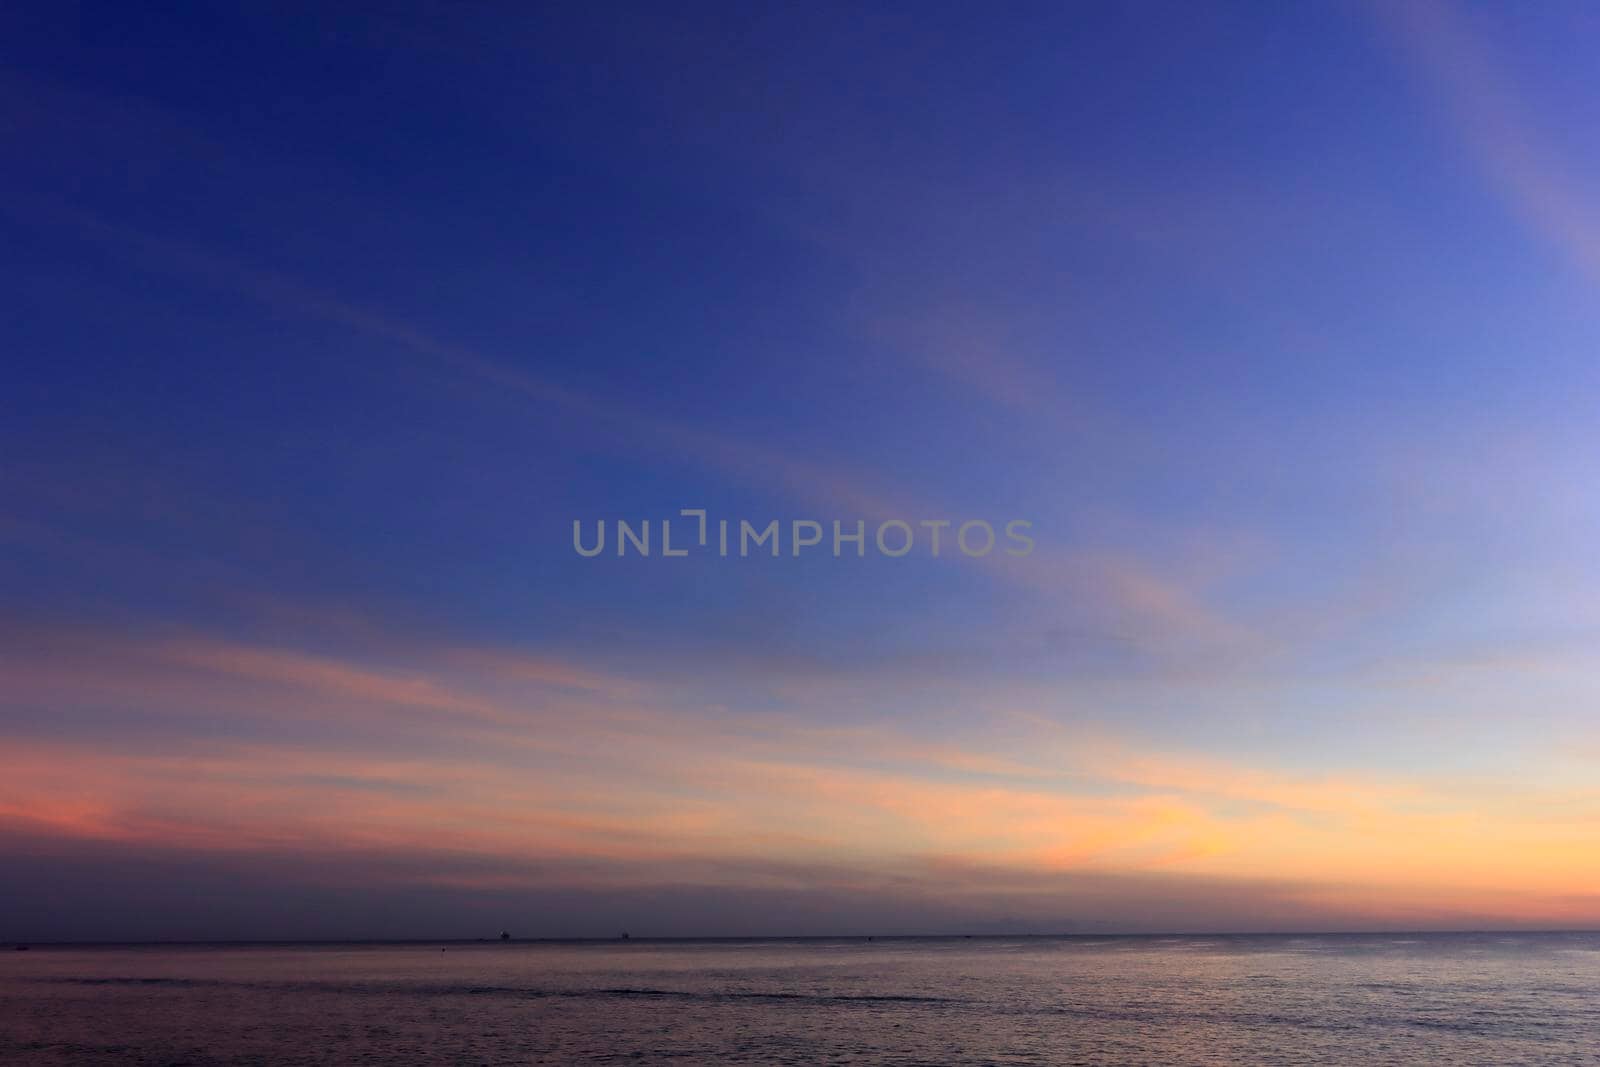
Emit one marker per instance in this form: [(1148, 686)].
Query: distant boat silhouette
[(624, 935), (505, 936)]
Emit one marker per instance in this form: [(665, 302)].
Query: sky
[(1274, 324)]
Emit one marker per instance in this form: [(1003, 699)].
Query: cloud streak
[(529, 775)]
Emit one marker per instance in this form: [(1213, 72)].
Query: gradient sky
[(1278, 322)]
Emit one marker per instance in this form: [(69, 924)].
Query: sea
[(1347, 999)]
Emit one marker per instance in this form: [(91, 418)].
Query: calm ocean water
[(1391, 999)]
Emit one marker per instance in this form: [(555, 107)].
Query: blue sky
[(1277, 323)]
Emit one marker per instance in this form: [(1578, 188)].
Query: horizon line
[(678, 938)]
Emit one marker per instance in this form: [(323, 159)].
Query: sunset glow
[(1292, 385)]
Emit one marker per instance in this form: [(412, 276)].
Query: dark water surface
[(1338, 999)]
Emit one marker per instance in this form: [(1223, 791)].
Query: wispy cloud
[(1500, 128), (573, 768)]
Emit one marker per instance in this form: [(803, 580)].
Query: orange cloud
[(508, 764)]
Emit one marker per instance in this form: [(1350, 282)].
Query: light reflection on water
[(1459, 999)]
